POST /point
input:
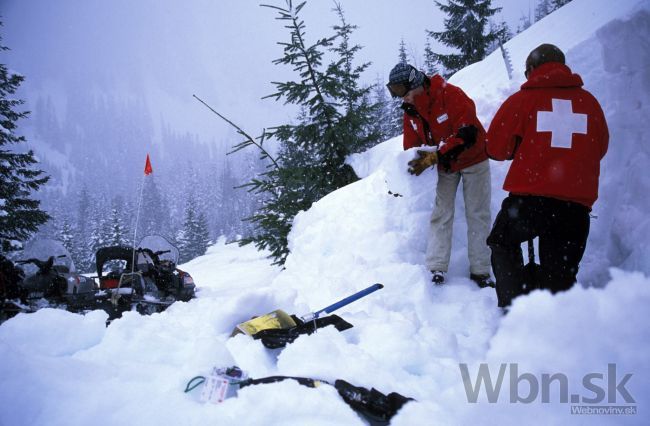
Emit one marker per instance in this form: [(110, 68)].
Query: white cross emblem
[(562, 122)]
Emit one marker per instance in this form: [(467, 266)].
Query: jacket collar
[(431, 94), (552, 74)]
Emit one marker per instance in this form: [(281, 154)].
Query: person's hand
[(425, 160)]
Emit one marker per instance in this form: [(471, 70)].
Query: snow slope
[(64, 369)]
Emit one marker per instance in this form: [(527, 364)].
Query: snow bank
[(410, 337)]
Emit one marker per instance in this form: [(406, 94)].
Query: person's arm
[(462, 114), (506, 129), (602, 123), (411, 136)]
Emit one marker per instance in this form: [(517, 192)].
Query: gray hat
[(404, 73)]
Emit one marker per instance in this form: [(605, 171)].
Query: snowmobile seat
[(108, 282)]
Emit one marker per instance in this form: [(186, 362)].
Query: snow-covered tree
[(65, 234), (388, 118), (118, 232), (154, 211), (556, 4), (402, 57), (20, 214), (542, 9), (431, 65), (193, 239), (524, 24), (335, 120)]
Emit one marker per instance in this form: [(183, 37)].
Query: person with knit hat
[(441, 118), (556, 134)]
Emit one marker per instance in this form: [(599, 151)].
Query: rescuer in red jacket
[(442, 117), (555, 133)]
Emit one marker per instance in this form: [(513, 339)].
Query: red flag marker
[(147, 167)]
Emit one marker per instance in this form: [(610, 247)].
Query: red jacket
[(556, 134), (446, 108)]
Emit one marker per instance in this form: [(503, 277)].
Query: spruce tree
[(201, 235), (65, 234), (465, 30), (82, 245), (430, 60), (542, 9), (98, 232), (402, 57), (193, 239), (556, 4), (184, 236), (335, 120), (524, 24), (20, 214), (154, 211), (117, 231)]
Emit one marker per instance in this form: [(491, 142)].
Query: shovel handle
[(341, 303)]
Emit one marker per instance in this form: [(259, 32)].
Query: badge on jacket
[(442, 118)]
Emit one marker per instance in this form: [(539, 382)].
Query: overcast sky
[(166, 51)]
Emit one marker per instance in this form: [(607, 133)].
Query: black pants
[(562, 228)]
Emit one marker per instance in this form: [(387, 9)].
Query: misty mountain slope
[(410, 337)]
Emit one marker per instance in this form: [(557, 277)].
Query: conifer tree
[(117, 230), (542, 9), (154, 213), (20, 214), (193, 239), (524, 24), (98, 232), (430, 60), (82, 245), (65, 234), (402, 57), (556, 4), (335, 120), (465, 30)]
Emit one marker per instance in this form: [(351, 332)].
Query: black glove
[(274, 338)]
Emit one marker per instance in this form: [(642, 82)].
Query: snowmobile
[(45, 278), (145, 279)]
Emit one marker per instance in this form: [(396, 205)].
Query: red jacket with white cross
[(556, 134), (446, 109)]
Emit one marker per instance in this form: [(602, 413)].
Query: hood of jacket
[(552, 74)]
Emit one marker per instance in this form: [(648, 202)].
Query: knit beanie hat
[(406, 74)]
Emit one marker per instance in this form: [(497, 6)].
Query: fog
[(109, 81)]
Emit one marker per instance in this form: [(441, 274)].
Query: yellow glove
[(425, 160)]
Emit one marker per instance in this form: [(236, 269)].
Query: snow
[(410, 337)]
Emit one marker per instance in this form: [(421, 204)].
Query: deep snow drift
[(61, 369)]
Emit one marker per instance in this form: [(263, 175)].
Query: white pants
[(476, 194)]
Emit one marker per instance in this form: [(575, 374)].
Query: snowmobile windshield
[(160, 245), (42, 249)]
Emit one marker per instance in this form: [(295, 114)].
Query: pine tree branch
[(249, 140)]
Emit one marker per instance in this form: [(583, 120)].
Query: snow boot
[(482, 281), (438, 277)]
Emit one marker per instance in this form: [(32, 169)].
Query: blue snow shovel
[(278, 328), (341, 303)]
